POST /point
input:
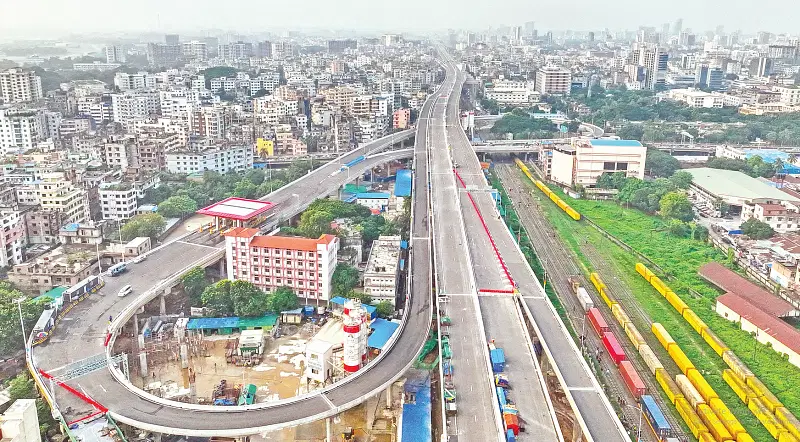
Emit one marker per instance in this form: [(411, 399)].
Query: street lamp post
[(19, 302), (119, 230)]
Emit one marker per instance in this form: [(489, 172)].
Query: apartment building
[(20, 86), (140, 80), (54, 192), (118, 201), (209, 121), (42, 226), (20, 422), (512, 92), (115, 54), (219, 159), (401, 118), (342, 97), (697, 98), (20, 130), (586, 159), (96, 66), (789, 95), (195, 50), (152, 144), (553, 80), (118, 151), (287, 144), (269, 261), (131, 105), (12, 236), (383, 269)]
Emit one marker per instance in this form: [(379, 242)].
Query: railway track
[(559, 264)]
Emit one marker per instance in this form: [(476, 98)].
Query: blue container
[(498, 358), (510, 436)]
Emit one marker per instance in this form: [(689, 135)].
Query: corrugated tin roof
[(735, 184), (382, 330), (373, 195), (781, 331), (732, 282)]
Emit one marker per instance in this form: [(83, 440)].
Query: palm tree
[(778, 167), (792, 159)]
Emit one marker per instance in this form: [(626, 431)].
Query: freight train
[(546, 190)]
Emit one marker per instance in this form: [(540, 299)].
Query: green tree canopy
[(148, 224), (344, 280), (194, 283), (681, 179), (11, 340), (177, 206), (385, 309), (283, 299), (661, 164), (756, 229), (314, 223), (676, 205), (248, 300)]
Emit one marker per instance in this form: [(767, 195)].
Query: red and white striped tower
[(364, 317), (352, 336)]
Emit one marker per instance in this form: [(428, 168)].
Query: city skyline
[(182, 16)]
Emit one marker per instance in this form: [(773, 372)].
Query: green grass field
[(680, 258)]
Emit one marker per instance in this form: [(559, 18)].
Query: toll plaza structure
[(237, 212)]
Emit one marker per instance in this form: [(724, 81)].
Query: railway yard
[(692, 409)]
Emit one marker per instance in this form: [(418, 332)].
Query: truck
[(497, 358), (352, 163)]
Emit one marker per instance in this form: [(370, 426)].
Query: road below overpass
[(81, 333), (598, 419)]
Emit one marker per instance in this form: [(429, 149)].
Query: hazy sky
[(49, 16)]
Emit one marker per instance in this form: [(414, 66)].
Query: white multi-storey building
[(54, 192), (790, 95), (217, 159), (12, 237), (20, 130), (383, 269), (132, 105), (19, 86), (115, 54), (118, 201), (268, 261), (553, 80), (139, 80), (584, 161), (512, 92), (178, 105)]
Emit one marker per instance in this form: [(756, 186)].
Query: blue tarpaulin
[(212, 323), (416, 421), (402, 186), (382, 330)]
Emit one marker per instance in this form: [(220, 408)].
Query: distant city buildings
[(553, 80), (20, 86)]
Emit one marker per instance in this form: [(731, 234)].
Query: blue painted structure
[(402, 186)]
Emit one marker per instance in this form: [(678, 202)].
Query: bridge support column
[(328, 431), (163, 302), (135, 324), (143, 365), (544, 364), (222, 268), (389, 396)]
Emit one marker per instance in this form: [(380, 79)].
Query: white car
[(125, 291), (139, 259)]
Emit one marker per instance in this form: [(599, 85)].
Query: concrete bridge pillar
[(163, 302), (222, 268), (389, 396), (328, 431), (143, 365), (135, 324)]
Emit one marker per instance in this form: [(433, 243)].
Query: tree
[(631, 132), (194, 283), (385, 309), (248, 300), (283, 299), (681, 179), (344, 280), (245, 189), (148, 224), (661, 164), (363, 297), (756, 229), (676, 205), (372, 227), (177, 206), (314, 223), (23, 387), (677, 228), (217, 297)]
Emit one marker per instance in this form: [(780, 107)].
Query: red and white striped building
[(305, 265)]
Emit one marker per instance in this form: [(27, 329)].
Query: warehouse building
[(584, 160)]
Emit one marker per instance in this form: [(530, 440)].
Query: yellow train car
[(662, 335), (706, 437), (767, 419), (668, 385), (786, 437), (713, 423), (693, 421), (713, 341), (596, 281), (702, 385), (744, 437), (738, 386), (620, 315), (675, 301), (736, 364), (633, 334), (691, 317), (763, 393), (680, 358), (607, 299), (650, 358), (659, 285), (726, 417), (789, 421), (689, 392), (644, 271)]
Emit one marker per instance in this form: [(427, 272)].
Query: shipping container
[(713, 341), (713, 423), (763, 393), (650, 358), (680, 358), (573, 214), (632, 379), (662, 335), (726, 417), (510, 436), (655, 417), (738, 386), (613, 348), (689, 392), (585, 299), (620, 315), (744, 437), (669, 386), (693, 421), (675, 301), (738, 367), (786, 437), (767, 419), (633, 334), (691, 317), (498, 359), (606, 298), (501, 397), (598, 322), (789, 421), (701, 385)]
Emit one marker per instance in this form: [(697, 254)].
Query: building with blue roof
[(415, 421), (583, 161), (382, 331), (402, 186)]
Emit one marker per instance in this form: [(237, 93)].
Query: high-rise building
[(761, 67), (677, 27), (236, 51), (654, 61), (20, 130), (530, 29), (195, 50), (339, 46), (264, 49), (708, 77), (20, 86), (590, 37), (553, 80), (516, 37), (172, 39), (764, 37), (115, 54), (163, 54)]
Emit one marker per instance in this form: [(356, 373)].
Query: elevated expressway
[(80, 337), (594, 413)]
